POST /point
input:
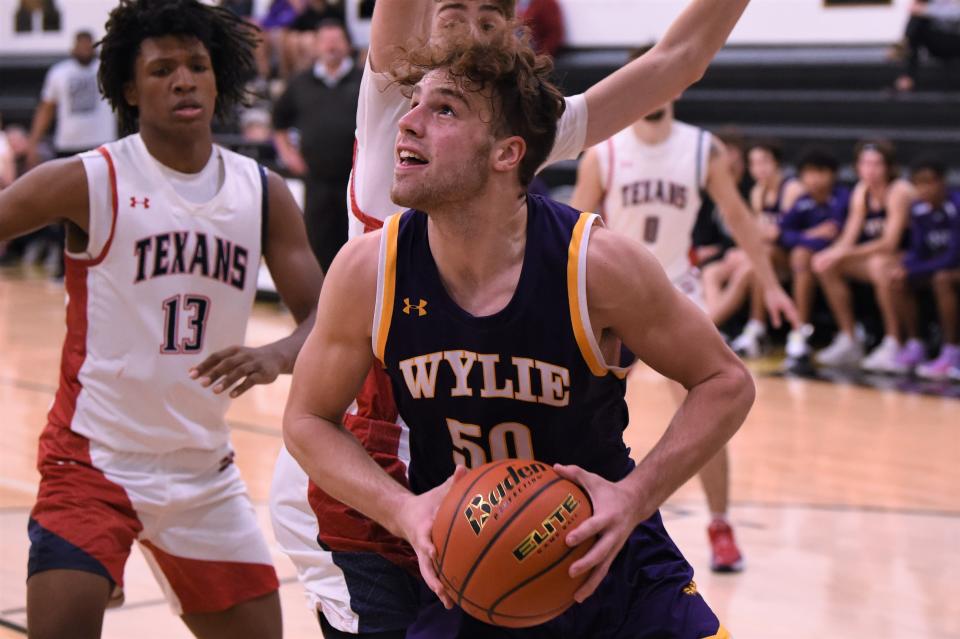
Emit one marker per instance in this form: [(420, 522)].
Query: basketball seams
[(552, 612), (503, 528), (526, 582), (456, 512)]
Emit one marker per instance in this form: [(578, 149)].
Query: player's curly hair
[(525, 102), (229, 40)]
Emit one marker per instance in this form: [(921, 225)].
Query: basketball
[(500, 538)]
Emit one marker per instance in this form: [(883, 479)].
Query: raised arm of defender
[(661, 75)]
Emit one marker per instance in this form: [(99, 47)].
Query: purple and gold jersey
[(526, 382)]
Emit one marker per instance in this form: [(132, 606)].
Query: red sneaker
[(724, 554)]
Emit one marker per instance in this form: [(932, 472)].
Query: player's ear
[(508, 153), (130, 93)]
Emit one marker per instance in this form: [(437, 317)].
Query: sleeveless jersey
[(526, 382), (653, 191), (874, 221), (773, 212), (163, 284)]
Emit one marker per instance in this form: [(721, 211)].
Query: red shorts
[(188, 509)]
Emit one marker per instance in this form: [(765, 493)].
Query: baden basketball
[(500, 536)]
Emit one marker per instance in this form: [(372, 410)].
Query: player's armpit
[(629, 294), (52, 192)]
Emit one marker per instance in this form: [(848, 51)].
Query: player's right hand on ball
[(615, 515), (415, 523)]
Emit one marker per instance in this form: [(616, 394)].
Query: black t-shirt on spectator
[(326, 118)]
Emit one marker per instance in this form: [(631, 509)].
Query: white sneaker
[(749, 343), (844, 350), (883, 359), (797, 346)]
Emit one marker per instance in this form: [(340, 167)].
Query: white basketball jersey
[(653, 191), (163, 284)]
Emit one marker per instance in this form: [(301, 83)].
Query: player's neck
[(479, 252), (186, 154), (653, 132)]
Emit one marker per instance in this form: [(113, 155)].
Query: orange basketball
[(500, 536)]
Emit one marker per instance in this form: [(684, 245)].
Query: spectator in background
[(271, 50), (321, 104), (933, 259), (84, 119), (934, 25), (871, 241), (771, 196), (300, 46), (811, 225), (545, 19)]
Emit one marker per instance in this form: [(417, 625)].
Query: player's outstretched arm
[(52, 192), (662, 74), (746, 231), (629, 294), (328, 375), (298, 278), (394, 24)]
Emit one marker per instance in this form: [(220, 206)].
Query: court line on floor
[(13, 626)]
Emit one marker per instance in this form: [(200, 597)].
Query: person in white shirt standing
[(84, 119)]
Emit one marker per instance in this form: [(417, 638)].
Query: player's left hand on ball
[(779, 305), (416, 525), (225, 368), (614, 518)]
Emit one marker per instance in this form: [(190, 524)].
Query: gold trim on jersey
[(577, 297), (386, 285), (576, 294), (722, 633)]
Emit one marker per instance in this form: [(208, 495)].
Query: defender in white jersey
[(647, 182), (165, 235), (338, 552)]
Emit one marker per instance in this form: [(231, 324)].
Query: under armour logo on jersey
[(421, 308), (134, 201)]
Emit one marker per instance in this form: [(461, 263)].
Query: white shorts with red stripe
[(189, 510)]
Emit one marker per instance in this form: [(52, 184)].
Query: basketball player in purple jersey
[(364, 592), (933, 259), (165, 235), (457, 298)]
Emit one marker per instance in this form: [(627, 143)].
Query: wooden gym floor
[(846, 500)]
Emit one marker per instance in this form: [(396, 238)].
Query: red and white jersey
[(653, 191), (380, 107), (164, 283)]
